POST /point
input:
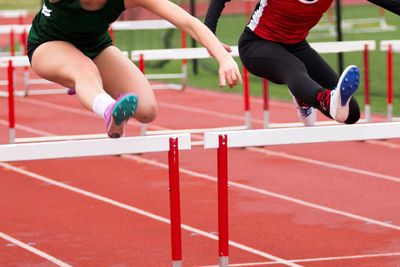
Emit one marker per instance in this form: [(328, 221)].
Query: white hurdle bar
[(103, 147), (23, 61), (391, 46), (284, 136), (14, 13), (183, 54), (11, 30)]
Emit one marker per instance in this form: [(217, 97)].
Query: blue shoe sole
[(125, 108), (348, 83)]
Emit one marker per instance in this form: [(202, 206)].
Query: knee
[(147, 113)]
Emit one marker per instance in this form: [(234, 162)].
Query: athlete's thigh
[(318, 69), (120, 75), (63, 63), (270, 60)]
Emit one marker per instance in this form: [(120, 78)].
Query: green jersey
[(67, 21)]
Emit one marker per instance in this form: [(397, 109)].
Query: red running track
[(330, 204)]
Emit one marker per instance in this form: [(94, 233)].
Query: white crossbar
[(344, 46), (175, 53), (17, 28), (142, 25), (86, 148), (13, 13), (118, 25), (395, 45), (17, 61), (315, 134), (201, 52)]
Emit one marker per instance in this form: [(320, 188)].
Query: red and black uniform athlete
[(273, 46)]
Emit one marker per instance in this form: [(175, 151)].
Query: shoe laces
[(305, 111)]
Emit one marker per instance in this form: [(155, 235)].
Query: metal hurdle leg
[(223, 221), (176, 242), (11, 110)]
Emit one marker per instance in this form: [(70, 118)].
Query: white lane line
[(265, 192), (395, 254), (141, 212), (325, 164), (272, 194), (34, 250)]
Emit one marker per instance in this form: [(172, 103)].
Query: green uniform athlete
[(69, 44)]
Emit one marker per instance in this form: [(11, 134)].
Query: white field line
[(271, 194), (325, 164), (141, 212), (395, 254), (34, 250)]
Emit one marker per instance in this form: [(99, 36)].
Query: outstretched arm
[(228, 69), (213, 13), (391, 5)]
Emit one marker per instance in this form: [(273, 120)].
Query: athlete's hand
[(229, 72), (227, 47)]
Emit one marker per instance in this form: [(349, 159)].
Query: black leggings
[(298, 66)]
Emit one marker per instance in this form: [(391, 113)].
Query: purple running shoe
[(117, 114)]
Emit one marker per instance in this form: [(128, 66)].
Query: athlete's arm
[(213, 13), (391, 5), (228, 69)]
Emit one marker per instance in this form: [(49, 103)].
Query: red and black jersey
[(287, 21)]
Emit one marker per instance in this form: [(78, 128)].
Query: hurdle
[(324, 48), (185, 54), (105, 147), (390, 46), (11, 30), (284, 136)]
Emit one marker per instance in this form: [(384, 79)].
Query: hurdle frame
[(390, 46), (186, 54), (118, 25), (106, 147), (222, 141)]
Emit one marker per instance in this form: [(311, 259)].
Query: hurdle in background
[(201, 53), (156, 25), (185, 54), (324, 48), (390, 46), (116, 26), (285, 136), (103, 147)]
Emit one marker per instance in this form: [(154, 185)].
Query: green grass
[(231, 26), (30, 5)]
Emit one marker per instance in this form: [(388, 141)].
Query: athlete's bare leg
[(120, 76), (63, 63)]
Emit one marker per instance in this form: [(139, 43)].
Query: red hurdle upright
[(11, 110), (223, 222), (390, 83), (174, 195)]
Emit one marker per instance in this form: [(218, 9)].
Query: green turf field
[(229, 30)]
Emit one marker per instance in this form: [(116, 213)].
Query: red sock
[(324, 99)]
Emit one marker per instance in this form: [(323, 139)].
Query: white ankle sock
[(101, 102)]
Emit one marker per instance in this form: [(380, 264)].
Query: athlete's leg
[(62, 63), (272, 61), (320, 71), (121, 76), (278, 63)]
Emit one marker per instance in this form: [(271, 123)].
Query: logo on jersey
[(46, 11), (308, 1)]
